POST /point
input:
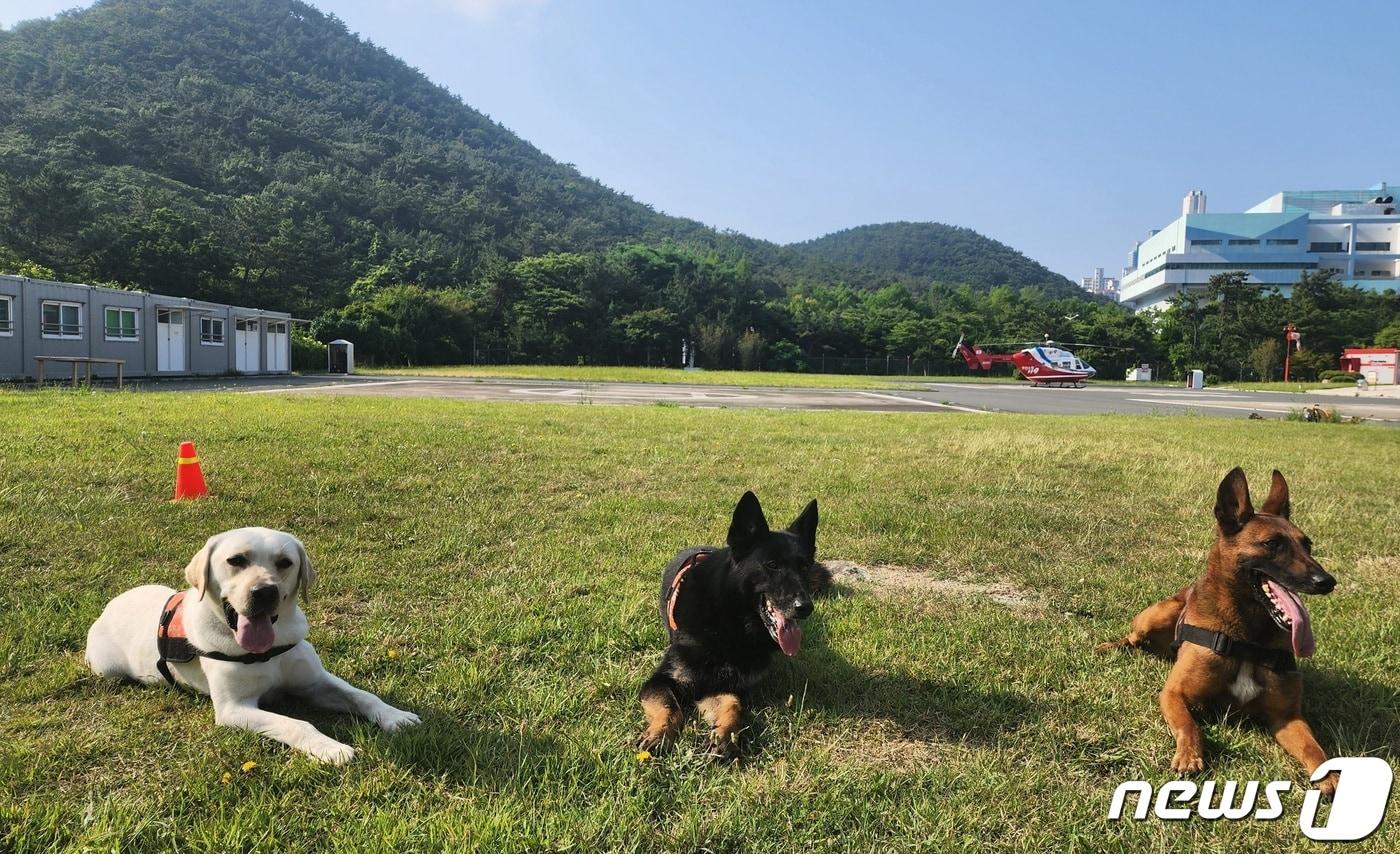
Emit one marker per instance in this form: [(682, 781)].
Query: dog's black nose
[(265, 598), (803, 608), (1322, 582)]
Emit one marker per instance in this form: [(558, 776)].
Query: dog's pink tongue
[(254, 633), (789, 636), (1303, 643)]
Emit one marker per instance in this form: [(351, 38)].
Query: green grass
[(494, 567), (1283, 386), (598, 373)]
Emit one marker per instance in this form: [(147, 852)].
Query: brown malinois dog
[(1235, 632)]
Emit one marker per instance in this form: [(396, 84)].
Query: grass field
[(494, 567), (599, 373), (1283, 386)]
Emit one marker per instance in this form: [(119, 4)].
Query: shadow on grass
[(1343, 706), (446, 749), (923, 708), (440, 747)]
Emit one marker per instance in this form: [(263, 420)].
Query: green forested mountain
[(257, 151), (932, 251)]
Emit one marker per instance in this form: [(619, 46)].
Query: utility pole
[(1290, 338)]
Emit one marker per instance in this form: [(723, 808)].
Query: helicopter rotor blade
[(1090, 346)]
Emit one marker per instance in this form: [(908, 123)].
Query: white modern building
[(1355, 233), (1100, 284)]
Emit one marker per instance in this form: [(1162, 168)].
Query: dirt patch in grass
[(891, 580), (878, 744)]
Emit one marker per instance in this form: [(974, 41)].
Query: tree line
[(635, 304)]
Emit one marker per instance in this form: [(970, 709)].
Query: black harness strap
[(248, 657), (1277, 660), (173, 645)]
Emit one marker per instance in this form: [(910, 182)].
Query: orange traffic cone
[(189, 477)]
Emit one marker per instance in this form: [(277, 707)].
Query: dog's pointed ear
[(1277, 502), (199, 572), (1232, 507), (306, 573), (804, 527), (748, 526)]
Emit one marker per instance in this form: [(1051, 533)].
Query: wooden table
[(75, 361)]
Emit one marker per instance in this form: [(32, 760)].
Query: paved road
[(925, 397)]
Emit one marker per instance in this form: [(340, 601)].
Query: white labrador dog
[(246, 641)]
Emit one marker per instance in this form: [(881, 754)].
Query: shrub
[(308, 354), (786, 356), (1338, 376)]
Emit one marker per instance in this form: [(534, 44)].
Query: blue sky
[(1065, 130)]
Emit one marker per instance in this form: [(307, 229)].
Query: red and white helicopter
[(1040, 362)]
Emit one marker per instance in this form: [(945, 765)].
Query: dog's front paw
[(394, 719), (1328, 786), (724, 748), (1188, 760), (653, 742), (331, 752)]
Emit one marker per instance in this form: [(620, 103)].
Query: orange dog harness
[(675, 589), (172, 644)]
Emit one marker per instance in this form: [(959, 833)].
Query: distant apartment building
[(1355, 233), (1100, 284)]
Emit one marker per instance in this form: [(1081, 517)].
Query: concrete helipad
[(922, 397)]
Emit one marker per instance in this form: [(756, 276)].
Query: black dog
[(727, 611)]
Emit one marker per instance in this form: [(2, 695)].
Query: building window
[(120, 324), (7, 315), (1205, 243), (1244, 243), (60, 319), (245, 324), (1338, 246), (1283, 241), (211, 331), (276, 328), (1372, 247)]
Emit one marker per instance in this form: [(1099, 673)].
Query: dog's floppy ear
[(1277, 502), (306, 573), (1232, 507), (199, 572), (804, 527), (748, 526)]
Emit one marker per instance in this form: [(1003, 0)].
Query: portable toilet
[(340, 357), (1196, 380)]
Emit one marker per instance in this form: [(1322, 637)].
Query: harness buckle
[(1221, 644)]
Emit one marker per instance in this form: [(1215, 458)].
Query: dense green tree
[(405, 325), (1389, 336), (1223, 330)]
